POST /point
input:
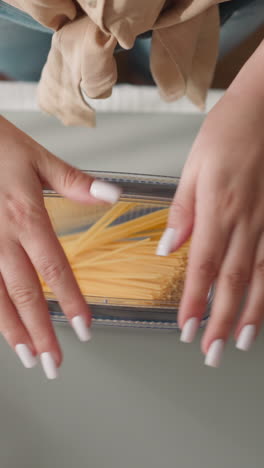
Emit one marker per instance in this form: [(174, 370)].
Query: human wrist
[(249, 84)]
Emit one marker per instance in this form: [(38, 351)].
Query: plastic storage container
[(150, 194)]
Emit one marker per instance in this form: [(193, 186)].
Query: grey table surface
[(130, 398)]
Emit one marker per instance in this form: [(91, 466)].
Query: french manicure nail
[(49, 366), (166, 242), (105, 191), (25, 356), (80, 328), (246, 337), (189, 330), (214, 354)]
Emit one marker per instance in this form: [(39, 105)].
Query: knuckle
[(260, 267), (228, 200), (44, 339), (237, 279), (25, 296), (12, 334), (20, 212), (208, 268), (3, 291), (70, 177), (225, 322), (178, 208), (53, 273)]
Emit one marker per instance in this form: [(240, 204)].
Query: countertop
[(130, 398)]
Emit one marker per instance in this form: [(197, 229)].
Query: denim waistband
[(17, 16), (226, 9)]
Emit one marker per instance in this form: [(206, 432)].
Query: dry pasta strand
[(116, 259)]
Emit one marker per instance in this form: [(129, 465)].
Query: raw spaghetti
[(116, 259)]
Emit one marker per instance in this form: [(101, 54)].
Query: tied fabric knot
[(81, 60)]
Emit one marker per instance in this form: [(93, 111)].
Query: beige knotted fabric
[(183, 50)]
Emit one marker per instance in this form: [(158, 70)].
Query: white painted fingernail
[(80, 328), (189, 330), (25, 356), (49, 366), (246, 337), (214, 354), (105, 191), (166, 242)]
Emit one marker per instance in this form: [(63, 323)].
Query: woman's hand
[(220, 202), (28, 244)]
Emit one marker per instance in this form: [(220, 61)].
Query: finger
[(208, 246), (25, 292), (14, 331), (231, 284), (181, 217), (73, 183), (252, 315), (49, 259)]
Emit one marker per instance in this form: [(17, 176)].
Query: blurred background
[(133, 398)]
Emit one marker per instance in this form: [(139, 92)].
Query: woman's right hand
[(29, 244)]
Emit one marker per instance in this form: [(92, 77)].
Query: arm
[(28, 245), (220, 203)]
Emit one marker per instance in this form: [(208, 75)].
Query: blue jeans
[(24, 43)]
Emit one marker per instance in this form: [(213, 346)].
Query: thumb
[(73, 183), (181, 217)]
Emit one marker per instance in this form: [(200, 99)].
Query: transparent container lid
[(121, 278)]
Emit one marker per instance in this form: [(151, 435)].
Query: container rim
[(152, 187)]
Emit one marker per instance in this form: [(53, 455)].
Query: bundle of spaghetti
[(116, 256)]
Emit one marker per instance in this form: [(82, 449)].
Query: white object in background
[(21, 96)]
